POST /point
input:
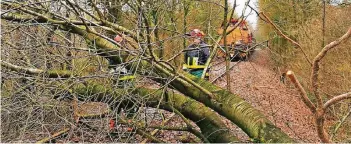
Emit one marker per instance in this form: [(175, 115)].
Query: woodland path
[(256, 82)]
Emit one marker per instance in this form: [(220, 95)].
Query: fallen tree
[(197, 93)]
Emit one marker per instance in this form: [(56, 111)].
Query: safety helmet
[(196, 33), (233, 20), (118, 38)]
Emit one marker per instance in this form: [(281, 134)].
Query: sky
[(252, 18)]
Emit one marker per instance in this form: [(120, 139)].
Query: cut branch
[(302, 91), (323, 135), (21, 69)]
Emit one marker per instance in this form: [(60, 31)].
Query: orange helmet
[(233, 20), (118, 38)]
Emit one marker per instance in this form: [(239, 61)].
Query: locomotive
[(240, 41)]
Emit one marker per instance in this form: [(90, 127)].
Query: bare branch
[(57, 134), (158, 129), (336, 99), (318, 58), (50, 73), (189, 126), (19, 68), (341, 122), (284, 36)]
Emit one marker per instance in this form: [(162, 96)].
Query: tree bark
[(209, 122)]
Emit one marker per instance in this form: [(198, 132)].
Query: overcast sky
[(252, 18)]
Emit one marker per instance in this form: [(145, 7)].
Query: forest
[(175, 71)]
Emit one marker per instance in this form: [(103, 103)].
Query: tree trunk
[(211, 125)]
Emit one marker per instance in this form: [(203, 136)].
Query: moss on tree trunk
[(229, 105), (236, 109), (208, 121)]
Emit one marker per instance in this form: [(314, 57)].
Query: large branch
[(323, 135), (34, 71), (209, 122), (318, 58), (302, 91), (22, 18), (231, 106)]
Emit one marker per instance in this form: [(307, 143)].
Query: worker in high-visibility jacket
[(196, 53)]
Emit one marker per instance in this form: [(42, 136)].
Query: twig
[(156, 130), (224, 72), (189, 126), (140, 131), (171, 128), (152, 138), (336, 99), (47, 139), (284, 36), (97, 10), (75, 108), (264, 87), (323, 27), (340, 123)]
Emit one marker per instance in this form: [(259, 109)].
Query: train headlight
[(239, 42)]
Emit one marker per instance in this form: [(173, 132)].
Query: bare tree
[(319, 109), (107, 80)]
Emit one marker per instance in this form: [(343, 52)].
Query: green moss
[(59, 73), (210, 123)]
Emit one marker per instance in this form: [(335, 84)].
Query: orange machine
[(239, 40)]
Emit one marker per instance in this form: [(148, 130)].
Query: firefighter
[(196, 54)]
